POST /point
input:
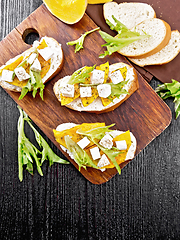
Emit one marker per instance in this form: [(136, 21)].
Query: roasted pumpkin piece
[(66, 100), (42, 45), (88, 100), (59, 136), (122, 156), (12, 65), (45, 65), (104, 67)]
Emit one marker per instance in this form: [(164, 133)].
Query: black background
[(141, 203)]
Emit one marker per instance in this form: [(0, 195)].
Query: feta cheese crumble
[(84, 142), (7, 75), (21, 73), (95, 153), (97, 76), (68, 90), (121, 145), (104, 90), (106, 141), (104, 161)]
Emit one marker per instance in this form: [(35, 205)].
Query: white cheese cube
[(85, 92), (84, 142), (104, 161), (21, 73), (95, 153), (31, 58), (36, 66), (104, 90), (116, 77), (121, 145), (7, 75), (97, 76), (115, 133), (68, 90), (106, 141), (36, 43), (46, 53)]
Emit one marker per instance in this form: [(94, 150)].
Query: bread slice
[(70, 129), (96, 106), (55, 65), (160, 33), (130, 14), (165, 55)]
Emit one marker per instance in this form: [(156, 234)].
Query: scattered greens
[(117, 89), (79, 42), (80, 156), (28, 153), (34, 83), (124, 37), (80, 75), (97, 134), (167, 90)]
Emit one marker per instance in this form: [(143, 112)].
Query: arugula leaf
[(80, 156), (79, 42), (34, 83), (27, 152), (117, 89), (81, 75), (172, 89), (124, 37), (98, 133)]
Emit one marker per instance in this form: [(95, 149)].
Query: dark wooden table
[(141, 203)]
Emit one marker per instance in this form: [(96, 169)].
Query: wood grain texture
[(141, 113), (141, 203)]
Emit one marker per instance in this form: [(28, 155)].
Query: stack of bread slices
[(161, 47)]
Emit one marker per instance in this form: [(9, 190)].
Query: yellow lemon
[(98, 1), (68, 11)]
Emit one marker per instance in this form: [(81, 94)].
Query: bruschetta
[(33, 68), (97, 89), (96, 145)]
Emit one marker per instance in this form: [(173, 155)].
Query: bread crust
[(163, 43), (150, 61), (76, 104), (45, 79)]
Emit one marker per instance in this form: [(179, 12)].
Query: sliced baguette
[(96, 106), (165, 55), (55, 67), (160, 34), (130, 14)]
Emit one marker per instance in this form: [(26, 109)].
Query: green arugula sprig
[(80, 156), (81, 75), (28, 153), (97, 134), (167, 90), (79, 42), (124, 37), (34, 83)]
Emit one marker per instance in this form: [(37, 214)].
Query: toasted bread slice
[(160, 34), (97, 106), (165, 55), (49, 68), (101, 163), (130, 14)]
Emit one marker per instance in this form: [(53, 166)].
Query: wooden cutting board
[(144, 113), (166, 10)]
